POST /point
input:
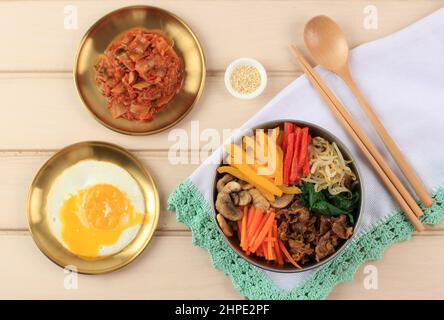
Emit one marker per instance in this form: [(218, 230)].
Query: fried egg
[(95, 208)]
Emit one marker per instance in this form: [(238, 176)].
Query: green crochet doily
[(192, 209)]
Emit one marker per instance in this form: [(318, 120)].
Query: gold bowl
[(37, 214), (184, 42)]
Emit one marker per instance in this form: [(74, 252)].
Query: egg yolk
[(94, 217)]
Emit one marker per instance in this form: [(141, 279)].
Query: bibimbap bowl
[(234, 241)]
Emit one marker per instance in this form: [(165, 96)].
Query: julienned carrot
[(262, 251), (264, 239), (270, 243), (303, 156), (288, 128), (294, 174), (288, 157), (239, 228), (263, 248), (259, 252), (257, 231), (250, 217), (277, 250), (244, 229), (256, 219), (264, 230), (288, 255)]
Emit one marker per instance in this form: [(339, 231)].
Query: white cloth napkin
[(402, 77)]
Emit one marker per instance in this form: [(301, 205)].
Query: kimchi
[(139, 73)]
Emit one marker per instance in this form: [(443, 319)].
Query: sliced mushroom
[(226, 207), (245, 185), (235, 198), (244, 198), (259, 200), (231, 186), (226, 229), (283, 201), (223, 181)]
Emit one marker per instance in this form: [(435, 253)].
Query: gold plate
[(54, 167), (185, 44)]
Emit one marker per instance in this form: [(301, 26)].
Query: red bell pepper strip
[(306, 168), (288, 157), (303, 155), (288, 128), (277, 250), (294, 174)]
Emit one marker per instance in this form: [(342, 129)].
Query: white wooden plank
[(50, 115), (171, 268), (37, 39)]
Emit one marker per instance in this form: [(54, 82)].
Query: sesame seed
[(245, 79)]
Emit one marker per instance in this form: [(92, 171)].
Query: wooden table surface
[(41, 112)]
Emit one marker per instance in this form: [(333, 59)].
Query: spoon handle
[(394, 150)]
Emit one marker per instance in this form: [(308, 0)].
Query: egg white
[(87, 173)]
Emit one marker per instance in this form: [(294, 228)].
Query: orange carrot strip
[(250, 217), (260, 252), (278, 253), (288, 255), (263, 247), (258, 229), (244, 229), (267, 225), (270, 243), (277, 250), (258, 216)]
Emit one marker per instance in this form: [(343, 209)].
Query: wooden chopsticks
[(391, 181), (391, 146)]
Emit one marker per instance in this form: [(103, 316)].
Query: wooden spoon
[(328, 46)]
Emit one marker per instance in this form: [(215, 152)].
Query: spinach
[(325, 203)]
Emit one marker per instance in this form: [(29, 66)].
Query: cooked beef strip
[(297, 207), (283, 230), (324, 224), (308, 236), (340, 227), (299, 250), (326, 245)]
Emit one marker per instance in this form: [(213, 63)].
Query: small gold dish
[(184, 42), (38, 217)]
